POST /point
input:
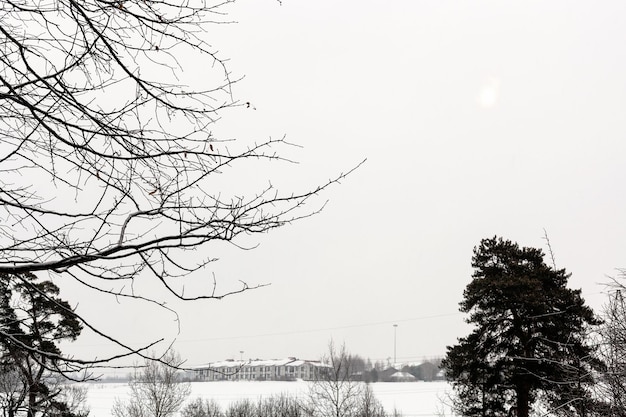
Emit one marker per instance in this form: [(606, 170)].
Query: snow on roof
[(261, 362), (401, 375)]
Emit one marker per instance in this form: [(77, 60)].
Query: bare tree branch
[(108, 163)]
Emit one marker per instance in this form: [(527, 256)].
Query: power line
[(300, 331), (325, 329)]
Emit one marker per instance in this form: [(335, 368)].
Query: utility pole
[(395, 328)]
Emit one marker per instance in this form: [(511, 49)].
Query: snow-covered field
[(412, 399)]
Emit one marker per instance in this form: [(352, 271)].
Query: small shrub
[(280, 406), (283, 405), (241, 408), (202, 408)]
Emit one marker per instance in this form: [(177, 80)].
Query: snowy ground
[(412, 399)]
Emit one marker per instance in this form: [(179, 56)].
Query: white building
[(260, 370)]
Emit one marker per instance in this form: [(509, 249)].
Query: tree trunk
[(10, 411), (522, 393), (32, 399)]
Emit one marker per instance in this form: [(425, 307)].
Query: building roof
[(402, 376), (261, 362)]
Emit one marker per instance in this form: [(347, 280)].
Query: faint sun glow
[(489, 93)]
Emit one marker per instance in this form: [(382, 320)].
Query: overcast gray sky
[(476, 118)]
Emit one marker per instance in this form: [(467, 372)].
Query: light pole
[(395, 328), (241, 355)]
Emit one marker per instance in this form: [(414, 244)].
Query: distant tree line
[(367, 371), (380, 371)]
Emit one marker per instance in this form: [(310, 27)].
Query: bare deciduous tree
[(334, 392), (611, 389), (57, 397), (155, 390), (74, 399), (13, 390), (108, 165), (369, 406)]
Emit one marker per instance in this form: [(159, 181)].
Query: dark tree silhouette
[(33, 320), (530, 337), (108, 165)]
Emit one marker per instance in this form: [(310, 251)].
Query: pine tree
[(529, 342), (33, 320)]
